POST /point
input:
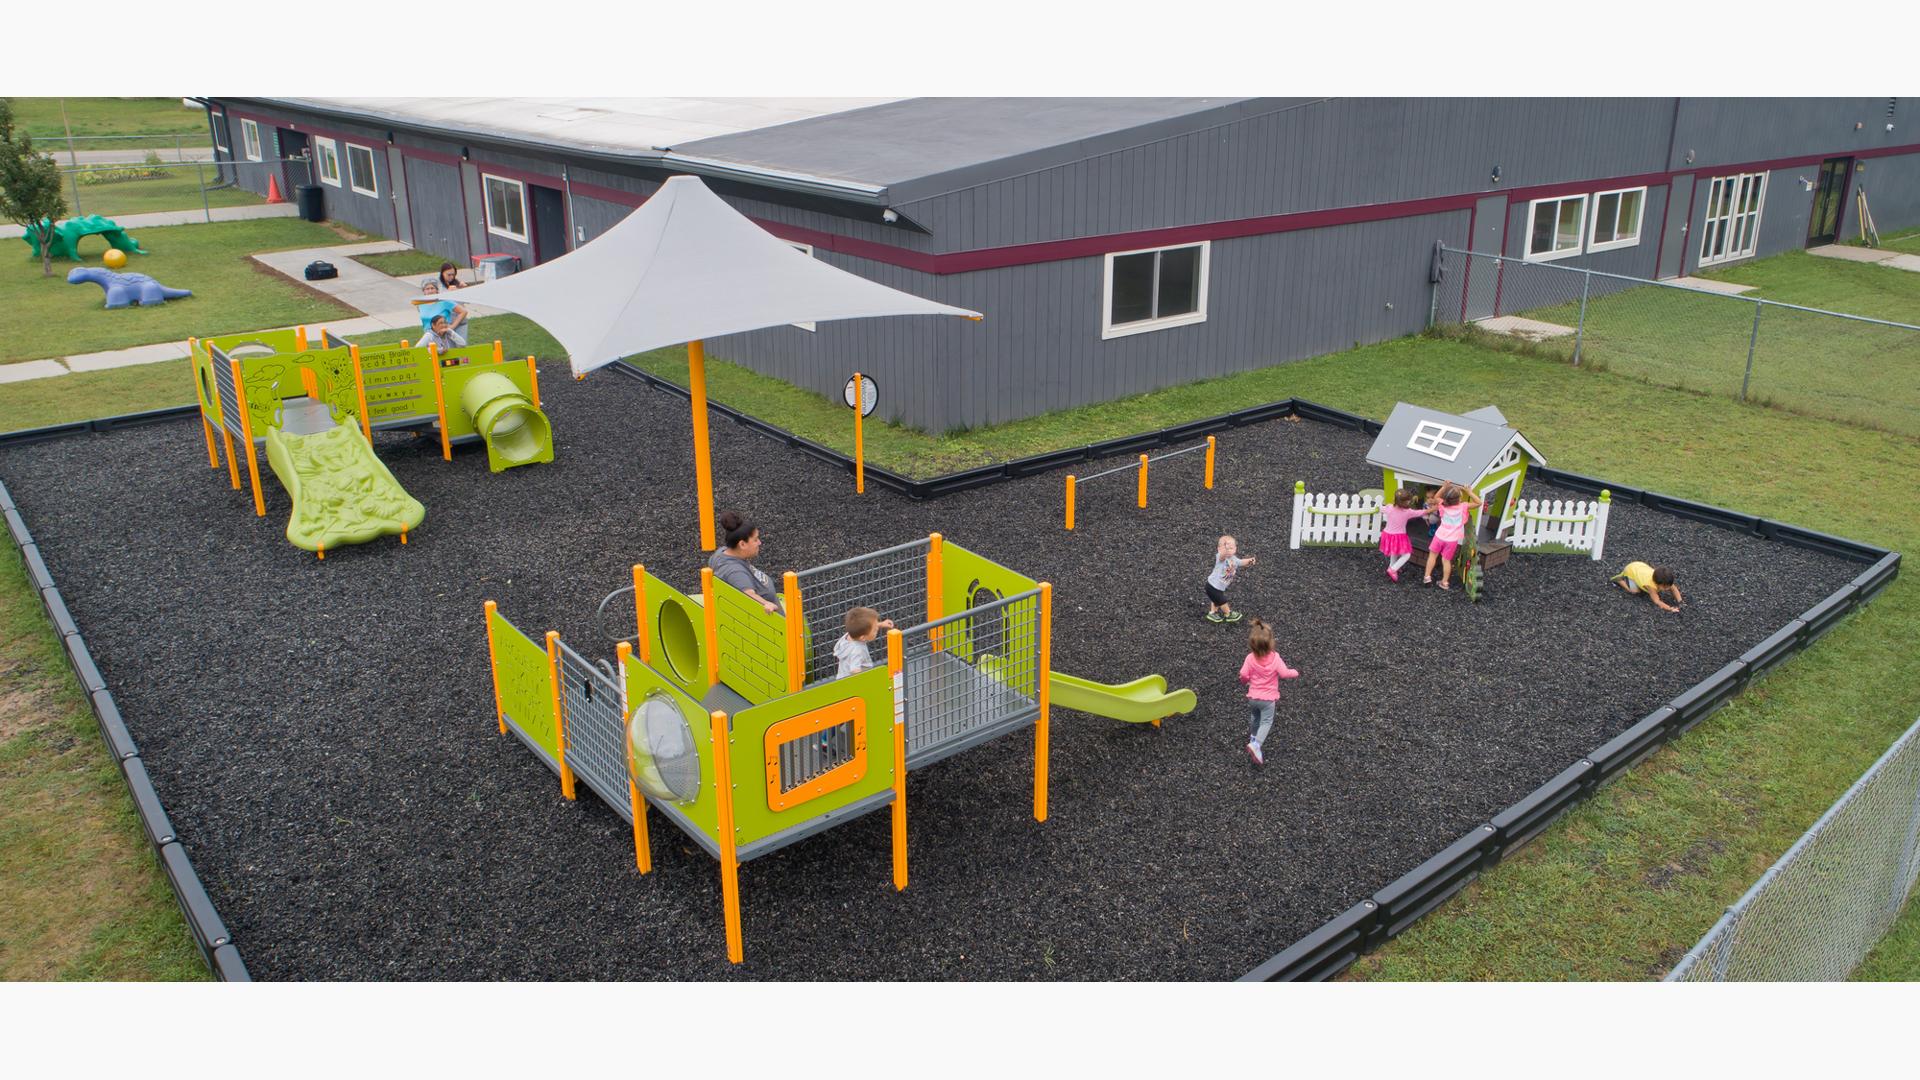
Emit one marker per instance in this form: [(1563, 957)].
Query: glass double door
[(1829, 201)]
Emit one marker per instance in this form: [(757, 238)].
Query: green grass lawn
[(402, 263), (1816, 365), (1897, 957), (157, 117), (179, 189), (1907, 241), (45, 316)]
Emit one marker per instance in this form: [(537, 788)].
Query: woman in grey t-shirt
[(733, 563)]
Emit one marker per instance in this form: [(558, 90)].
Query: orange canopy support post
[(895, 654), (440, 402), (246, 435), (533, 383), (796, 634), (1045, 679), (493, 663), (702, 461), (1210, 449), (1070, 483), (712, 616), (729, 859), (640, 610), (936, 580), (859, 440), (1143, 481), (559, 718), (360, 392)]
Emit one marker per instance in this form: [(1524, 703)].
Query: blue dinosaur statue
[(125, 289)]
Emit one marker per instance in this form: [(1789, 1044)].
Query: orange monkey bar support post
[(559, 719), (702, 459), (796, 634), (1040, 728), (1143, 481), (729, 859), (859, 439), (712, 618), (639, 609), (1210, 449), (1070, 483), (895, 659)]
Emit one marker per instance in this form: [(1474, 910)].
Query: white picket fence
[(1326, 518), (1553, 525)]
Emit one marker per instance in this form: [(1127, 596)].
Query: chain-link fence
[(120, 189), (1821, 363), (1816, 913)]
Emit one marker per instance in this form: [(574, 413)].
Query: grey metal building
[(1117, 245)]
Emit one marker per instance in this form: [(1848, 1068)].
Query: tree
[(30, 193)]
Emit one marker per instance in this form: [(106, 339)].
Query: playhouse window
[(360, 174), (1154, 290), (1616, 219), (1440, 440), (506, 207), (326, 154), (1553, 227), (250, 139)]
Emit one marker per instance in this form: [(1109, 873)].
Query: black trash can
[(313, 206)]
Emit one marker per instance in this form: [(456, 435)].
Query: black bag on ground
[(319, 270)]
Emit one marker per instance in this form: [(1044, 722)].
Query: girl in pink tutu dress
[(1393, 530)]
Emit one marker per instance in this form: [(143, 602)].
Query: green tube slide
[(1141, 701), (516, 432)]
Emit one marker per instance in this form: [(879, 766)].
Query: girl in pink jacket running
[(1262, 671)]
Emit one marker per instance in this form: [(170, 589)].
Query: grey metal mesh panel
[(1816, 913), (892, 581), (229, 393), (982, 672), (596, 736)]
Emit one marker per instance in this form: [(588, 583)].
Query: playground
[(323, 734)]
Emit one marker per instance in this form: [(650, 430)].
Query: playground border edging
[(210, 934)]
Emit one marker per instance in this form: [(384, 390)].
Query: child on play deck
[(1262, 671), (1226, 563), (1452, 508), (1639, 577), (1394, 543), (863, 625)]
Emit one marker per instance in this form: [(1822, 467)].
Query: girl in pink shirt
[(1393, 530), (1451, 530), (1262, 671)]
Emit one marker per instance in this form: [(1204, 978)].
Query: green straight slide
[(1141, 701), (342, 493)]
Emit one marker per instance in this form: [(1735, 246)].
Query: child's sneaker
[(1394, 576), (1233, 616), (1214, 616), (1253, 751)]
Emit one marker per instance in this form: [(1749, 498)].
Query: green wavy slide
[(342, 493), (1141, 701)]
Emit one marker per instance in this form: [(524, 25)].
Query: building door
[(296, 168), (1732, 228), (1480, 279), (436, 208), (1829, 201), (549, 209)]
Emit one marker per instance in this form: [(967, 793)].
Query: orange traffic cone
[(273, 190)]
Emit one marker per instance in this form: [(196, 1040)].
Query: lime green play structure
[(729, 722), (315, 412), (67, 235)]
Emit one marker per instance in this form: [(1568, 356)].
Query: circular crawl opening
[(662, 754), (516, 434), (679, 641)]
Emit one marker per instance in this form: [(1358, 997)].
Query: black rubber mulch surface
[(322, 732)]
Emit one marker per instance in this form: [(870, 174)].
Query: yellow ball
[(114, 258)]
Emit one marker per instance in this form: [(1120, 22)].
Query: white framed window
[(506, 207), (361, 175), (326, 160), (1733, 217), (1154, 289), (1441, 440), (807, 250), (250, 139), (1616, 219), (1555, 226)]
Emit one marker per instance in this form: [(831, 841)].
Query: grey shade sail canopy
[(684, 267), (1445, 447)]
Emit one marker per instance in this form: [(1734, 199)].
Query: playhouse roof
[(1443, 446), (684, 267)]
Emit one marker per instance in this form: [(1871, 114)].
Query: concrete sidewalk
[(162, 218), (1895, 259)]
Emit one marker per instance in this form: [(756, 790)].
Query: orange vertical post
[(499, 352), (859, 439), (796, 634), (533, 383), (559, 719), (310, 383), (360, 392), (493, 663), (640, 612), (246, 434), (213, 455), (300, 338), (702, 461), (894, 663), (1143, 481), (200, 395), (712, 616), (729, 860), (440, 402), (1070, 483), (642, 850), (1044, 679), (936, 580), (1210, 449), (233, 469)]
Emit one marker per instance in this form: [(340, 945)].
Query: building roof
[(884, 151), (1458, 448)]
